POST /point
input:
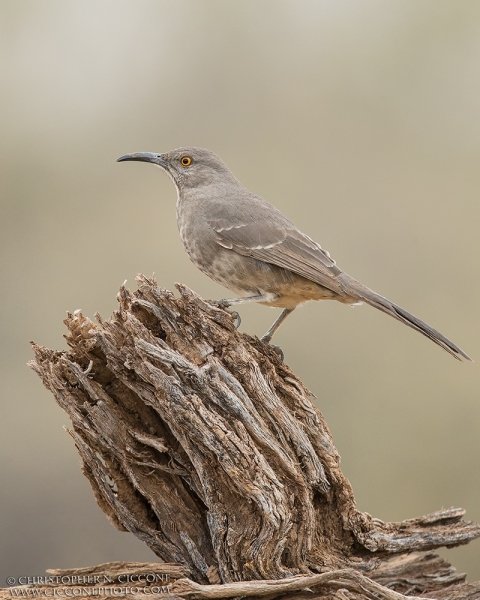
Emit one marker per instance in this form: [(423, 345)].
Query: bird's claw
[(237, 316), (278, 351)]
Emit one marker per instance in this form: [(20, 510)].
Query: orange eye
[(186, 160)]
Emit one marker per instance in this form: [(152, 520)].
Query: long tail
[(357, 290)]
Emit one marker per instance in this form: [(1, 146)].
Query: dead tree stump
[(200, 442)]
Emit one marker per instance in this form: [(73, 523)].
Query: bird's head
[(188, 167)]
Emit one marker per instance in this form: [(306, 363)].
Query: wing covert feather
[(273, 239)]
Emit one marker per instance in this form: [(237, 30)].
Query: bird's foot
[(266, 339), (224, 304), (278, 351), (220, 303)]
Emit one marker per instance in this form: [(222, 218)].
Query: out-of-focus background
[(359, 119)]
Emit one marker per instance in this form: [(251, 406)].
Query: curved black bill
[(151, 157)]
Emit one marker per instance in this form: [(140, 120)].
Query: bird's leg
[(229, 301), (283, 315)]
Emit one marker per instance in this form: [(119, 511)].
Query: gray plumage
[(247, 245)]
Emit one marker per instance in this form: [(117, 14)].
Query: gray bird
[(247, 245)]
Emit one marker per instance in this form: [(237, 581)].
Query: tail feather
[(357, 290)]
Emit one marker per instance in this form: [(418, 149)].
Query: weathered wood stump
[(202, 443)]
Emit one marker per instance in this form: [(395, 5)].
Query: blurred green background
[(360, 119)]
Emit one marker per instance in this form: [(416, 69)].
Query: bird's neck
[(219, 189)]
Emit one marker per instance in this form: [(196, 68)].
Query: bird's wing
[(272, 238)]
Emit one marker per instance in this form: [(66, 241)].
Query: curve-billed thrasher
[(244, 243)]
